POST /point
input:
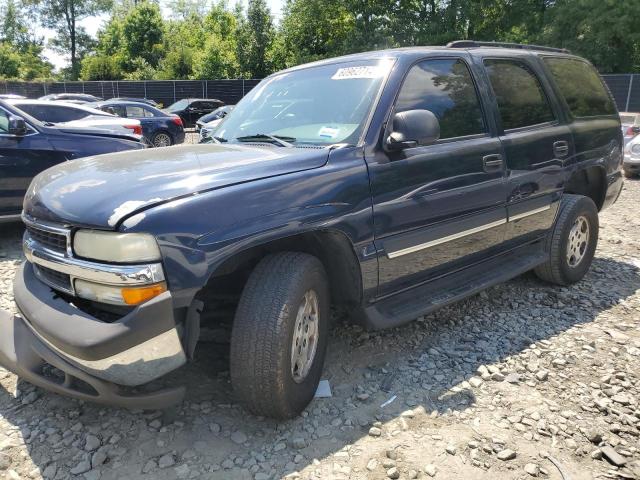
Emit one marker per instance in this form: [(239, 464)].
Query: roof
[(470, 46)]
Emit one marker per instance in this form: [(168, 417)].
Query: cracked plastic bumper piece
[(136, 349)]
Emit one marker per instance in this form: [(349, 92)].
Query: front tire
[(627, 173), (279, 335), (572, 242)]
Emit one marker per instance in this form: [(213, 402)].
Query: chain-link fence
[(163, 91), (625, 88)]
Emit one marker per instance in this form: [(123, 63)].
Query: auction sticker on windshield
[(365, 71)]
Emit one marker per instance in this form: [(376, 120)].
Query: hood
[(102, 191)]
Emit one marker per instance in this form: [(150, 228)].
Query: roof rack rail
[(521, 46)]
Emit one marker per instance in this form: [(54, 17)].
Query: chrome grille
[(53, 241)]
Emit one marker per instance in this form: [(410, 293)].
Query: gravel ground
[(524, 380)]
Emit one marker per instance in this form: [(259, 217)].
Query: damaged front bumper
[(140, 347)]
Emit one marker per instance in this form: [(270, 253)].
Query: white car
[(631, 164), (70, 115)]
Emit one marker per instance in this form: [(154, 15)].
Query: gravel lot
[(524, 380)]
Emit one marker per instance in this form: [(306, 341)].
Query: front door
[(441, 206), (21, 159)]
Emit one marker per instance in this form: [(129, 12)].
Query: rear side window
[(519, 94), (445, 87), (581, 87), (134, 111)]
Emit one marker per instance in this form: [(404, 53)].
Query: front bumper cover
[(134, 350), (25, 355)]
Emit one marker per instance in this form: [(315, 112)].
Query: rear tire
[(161, 139), (627, 173), (269, 374), (572, 242)]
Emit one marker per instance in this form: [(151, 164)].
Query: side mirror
[(17, 126), (412, 128)]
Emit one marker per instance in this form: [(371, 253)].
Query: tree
[(63, 17), (9, 61), (255, 36), (217, 57), (101, 67), (315, 29), (143, 32)]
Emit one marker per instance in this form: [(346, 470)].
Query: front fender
[(198, 233)]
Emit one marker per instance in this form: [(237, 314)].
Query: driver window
[(445, 87)]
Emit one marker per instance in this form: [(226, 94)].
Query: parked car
[(159, 128), (630, 125), (191, 109), (10, 96), (28, 146), (80, 116), (387, 183), (148, 101), (71, 97), (216, 116), (631, 165)]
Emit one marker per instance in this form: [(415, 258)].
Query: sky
[(93, 24)]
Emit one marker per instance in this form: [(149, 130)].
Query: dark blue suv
[(387, 183), (28, 146)]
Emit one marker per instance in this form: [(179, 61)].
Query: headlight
[(635, 148), (118, 295), (116, 247)]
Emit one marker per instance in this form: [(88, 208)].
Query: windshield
[(179, 105), (321, 105)]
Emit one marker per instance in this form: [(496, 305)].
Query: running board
[(409, 304)]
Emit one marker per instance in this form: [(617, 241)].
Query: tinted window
[(581, 87), (114, 109), (52, 113), (519, 95), (4, 121), (133, 111), (445, 88)]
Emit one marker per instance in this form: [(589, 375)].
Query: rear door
[(536, 140), (438, 207)]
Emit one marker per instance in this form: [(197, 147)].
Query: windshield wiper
[(278, 139)]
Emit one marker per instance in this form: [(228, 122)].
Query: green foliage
[(143, 33), (21, 51), (202, 40), (63, 17), (255, 34), (101, 67), (9, 61)]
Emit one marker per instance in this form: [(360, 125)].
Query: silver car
[(630, 125), (631, 163)]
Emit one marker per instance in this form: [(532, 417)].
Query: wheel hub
[(578, 241), (305, 337), (162, 140)]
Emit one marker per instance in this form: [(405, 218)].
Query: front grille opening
[(50, 240), (102, 311), (53, 278)]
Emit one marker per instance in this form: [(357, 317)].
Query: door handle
[(492, 163), (561, 148)]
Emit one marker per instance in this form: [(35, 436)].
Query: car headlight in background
[(635, 149), (116, 247)]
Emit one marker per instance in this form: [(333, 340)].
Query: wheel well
[(332, 248), (590, 182)]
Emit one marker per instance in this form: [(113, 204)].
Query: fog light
[(118, 295)]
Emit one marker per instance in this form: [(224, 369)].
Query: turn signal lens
[(137, 295)]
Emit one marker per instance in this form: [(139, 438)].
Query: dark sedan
[(28, 146), (159, 128), (191, 109)]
